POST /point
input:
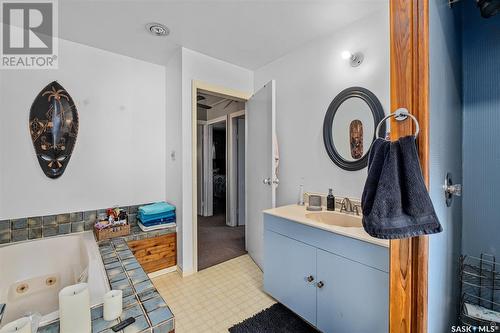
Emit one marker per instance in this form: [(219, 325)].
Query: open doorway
[(220, 179)]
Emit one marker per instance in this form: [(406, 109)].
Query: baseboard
[(162, 271), (184, 273)]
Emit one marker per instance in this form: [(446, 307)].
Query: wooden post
[(409, 22)]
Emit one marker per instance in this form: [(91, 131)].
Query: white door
[(199, 168), (241, 171), (261, 179)]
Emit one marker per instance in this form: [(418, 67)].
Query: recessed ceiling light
[(157, 29)]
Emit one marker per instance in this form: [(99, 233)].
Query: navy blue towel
[(395, 201)]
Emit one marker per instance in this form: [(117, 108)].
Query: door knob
[(276, 181), (320, 284), (267, 181), (310, 278), (451, 189)]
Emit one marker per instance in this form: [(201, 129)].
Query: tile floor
[(216, 298)]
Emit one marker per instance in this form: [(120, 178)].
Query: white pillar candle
[(113, 305), (74, 309), (22, 325)]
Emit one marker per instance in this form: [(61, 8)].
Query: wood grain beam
[(409, 22)]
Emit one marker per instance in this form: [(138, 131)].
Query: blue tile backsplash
[(16, 230)]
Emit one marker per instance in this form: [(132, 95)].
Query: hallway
[(218, 242)]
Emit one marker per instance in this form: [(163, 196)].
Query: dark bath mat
[(275, 319)]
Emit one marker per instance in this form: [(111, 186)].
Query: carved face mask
[(356, 138), (53, 127)]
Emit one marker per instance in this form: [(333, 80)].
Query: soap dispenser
[(330, 200)]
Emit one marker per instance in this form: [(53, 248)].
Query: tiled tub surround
[(16, 230), (141, 300)]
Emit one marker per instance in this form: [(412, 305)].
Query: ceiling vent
[(157, 29)]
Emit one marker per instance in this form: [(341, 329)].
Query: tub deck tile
[(112, 265), (117, 277), (129, 301), (99, 324), (138, 278), (141, 300), (143, 286), (134, 311)]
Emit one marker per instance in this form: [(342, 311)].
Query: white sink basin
[(337, 219)]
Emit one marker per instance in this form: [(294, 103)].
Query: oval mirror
[(349, 127)]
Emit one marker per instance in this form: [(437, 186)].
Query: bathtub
[(33, 272)]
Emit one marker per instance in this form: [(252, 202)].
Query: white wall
[(445, 156), (119, 156), (307, 80), (196, 66), (174, 141)]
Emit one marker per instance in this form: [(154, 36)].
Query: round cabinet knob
[(310, 278), (320, 284)]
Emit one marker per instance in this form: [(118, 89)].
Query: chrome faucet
[(346, 205)]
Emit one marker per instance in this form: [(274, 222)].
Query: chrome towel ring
[(400, 115)]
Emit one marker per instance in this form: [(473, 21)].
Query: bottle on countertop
[(301, 195), (330, 200)]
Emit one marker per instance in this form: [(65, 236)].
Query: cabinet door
[(287, 265), (354, 298)]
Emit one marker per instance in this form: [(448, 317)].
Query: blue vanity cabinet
[(288, 264), (349, 292), (353, 297)]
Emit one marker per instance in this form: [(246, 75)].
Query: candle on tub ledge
[(74, 309), (22, 325), (112, 305)]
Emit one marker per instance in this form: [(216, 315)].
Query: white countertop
[(298, 213)]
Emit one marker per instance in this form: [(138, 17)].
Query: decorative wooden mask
[(356, 138), (53, 127)]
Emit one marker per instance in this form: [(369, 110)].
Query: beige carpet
[(218, 242)]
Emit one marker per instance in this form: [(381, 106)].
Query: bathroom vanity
[(327, 269)]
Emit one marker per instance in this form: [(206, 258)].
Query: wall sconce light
[(355, 58)]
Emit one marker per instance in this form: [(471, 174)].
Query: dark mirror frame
[(377, 112)]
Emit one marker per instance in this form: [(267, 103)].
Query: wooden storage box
[(118, 231), (155, 253)]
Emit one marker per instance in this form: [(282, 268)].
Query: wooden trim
[(221, 119), (409, 22), (217, 91)]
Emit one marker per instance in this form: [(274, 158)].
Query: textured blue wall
[(445, 156), (481, 132)]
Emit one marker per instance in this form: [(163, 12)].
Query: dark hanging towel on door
[(395, 201)]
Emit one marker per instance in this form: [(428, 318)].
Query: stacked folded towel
[(156, 216)]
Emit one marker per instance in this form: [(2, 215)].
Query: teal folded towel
[(152, 217), (156, 208)]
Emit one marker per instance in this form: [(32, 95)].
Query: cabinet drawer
[(366, 253), (155, 253)]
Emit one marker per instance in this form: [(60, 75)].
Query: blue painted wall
[(445, 156), (481, 132)]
